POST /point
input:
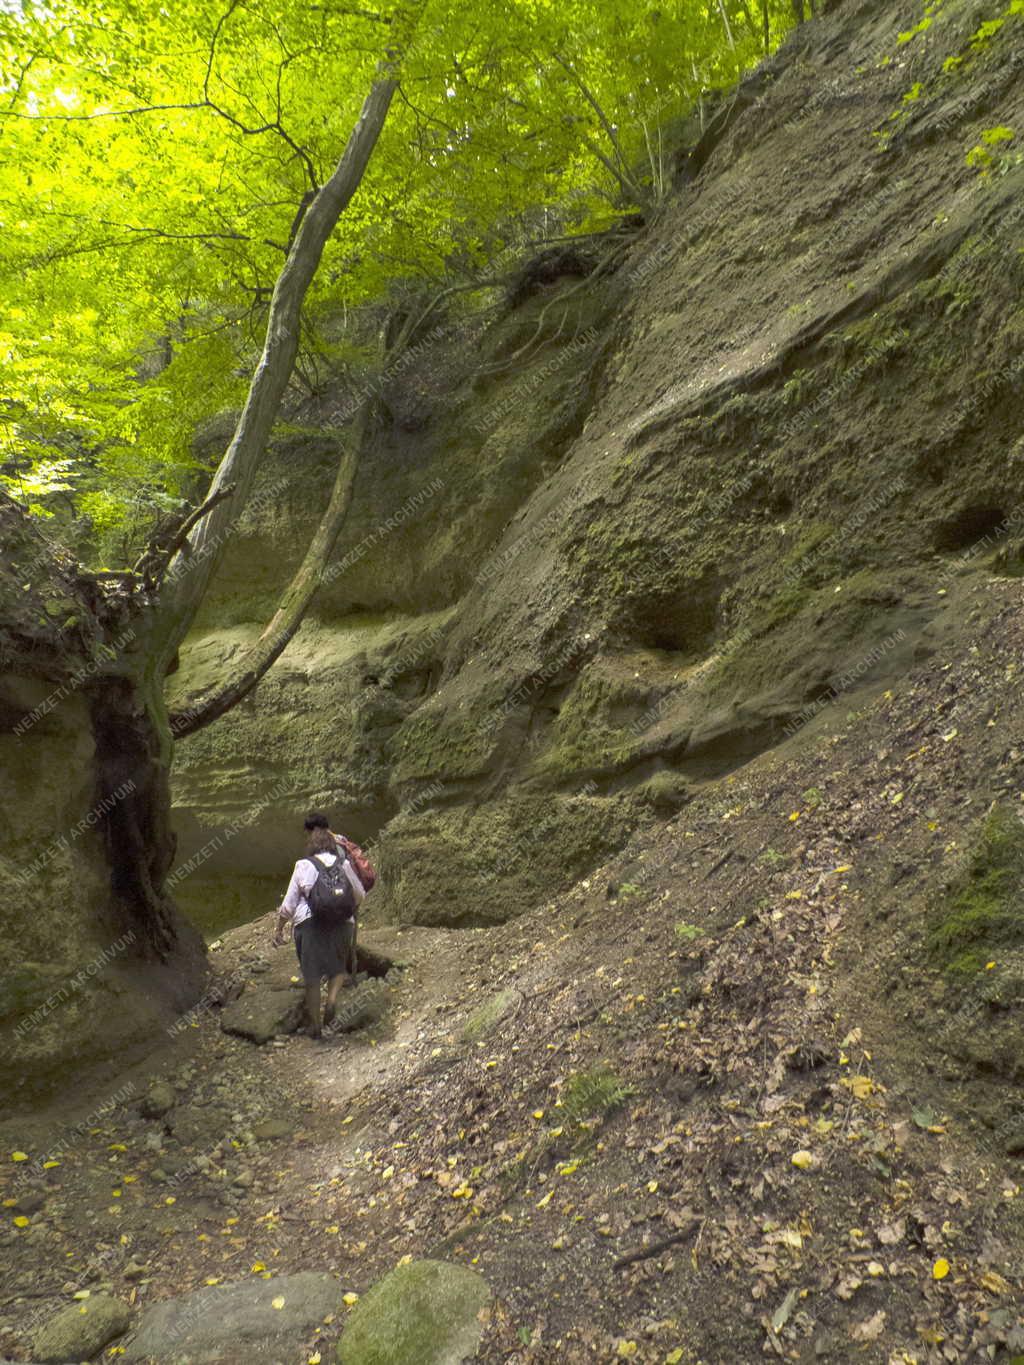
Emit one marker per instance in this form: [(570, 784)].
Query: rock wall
[(613, 542), (79, 982)]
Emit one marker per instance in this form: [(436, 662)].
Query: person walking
[(320, 903)]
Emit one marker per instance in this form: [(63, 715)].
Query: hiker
[(321, 902), (359, 862)]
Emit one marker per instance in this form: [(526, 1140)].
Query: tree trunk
[(190, 572), (294, 601)]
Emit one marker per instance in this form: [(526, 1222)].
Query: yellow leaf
[(546, 1200), (940, 1269), (350, 1298), (21, 1221), (257, 1267), (49, 1165), (117, 1147), (538, 1113), (862, 1086), (19, 1156), (212, 1279), (314, 1359), (652, 1186), (627, 1350), (795, 815), (81, 1293), (386, 1175), (803, 1159), (171, 1199), (674, 1357), (278, 1302), (989, 966), (333, 1229)]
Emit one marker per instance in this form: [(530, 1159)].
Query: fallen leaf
[(277, 1303), (803, 1159), (871, 1329), (350, 1298), (940, 1269), (995, 1284), (782, 1314)]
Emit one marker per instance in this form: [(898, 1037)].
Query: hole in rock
[(968, 526)]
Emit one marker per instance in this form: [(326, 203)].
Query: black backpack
[(331, 899)]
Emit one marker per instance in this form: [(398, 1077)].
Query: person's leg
[(353, 959), (330, 1008), (311, 995), (312, 1001)]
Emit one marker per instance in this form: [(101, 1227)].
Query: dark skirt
[(323, 951)]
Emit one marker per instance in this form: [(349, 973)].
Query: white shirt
[(295, 906)]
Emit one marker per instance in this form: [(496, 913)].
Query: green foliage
[(984, 910), (155, 157), (981, 157), (925, 24), (593, 1094), (687, 932)]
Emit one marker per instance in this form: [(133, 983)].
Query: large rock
[(425, 1313), (80, 1330), (225, 1324), (361, 1008), (261, 1014)]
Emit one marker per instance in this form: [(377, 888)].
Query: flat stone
[(424, 1313), (260, 1015), (272, 1130), (236, 1322), (79, 1330)]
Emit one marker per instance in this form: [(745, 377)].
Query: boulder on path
[(361, 1008), (158, 1100), (424, 1313), (262, 1014), (224, 1324), (80, 1330)]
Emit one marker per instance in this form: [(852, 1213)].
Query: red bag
[(359, 860)]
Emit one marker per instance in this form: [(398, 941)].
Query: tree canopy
[(158, 160)]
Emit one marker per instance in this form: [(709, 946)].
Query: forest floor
[(720, 1102)]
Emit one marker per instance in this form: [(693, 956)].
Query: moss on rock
[(424, 1313), (983, 914)]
